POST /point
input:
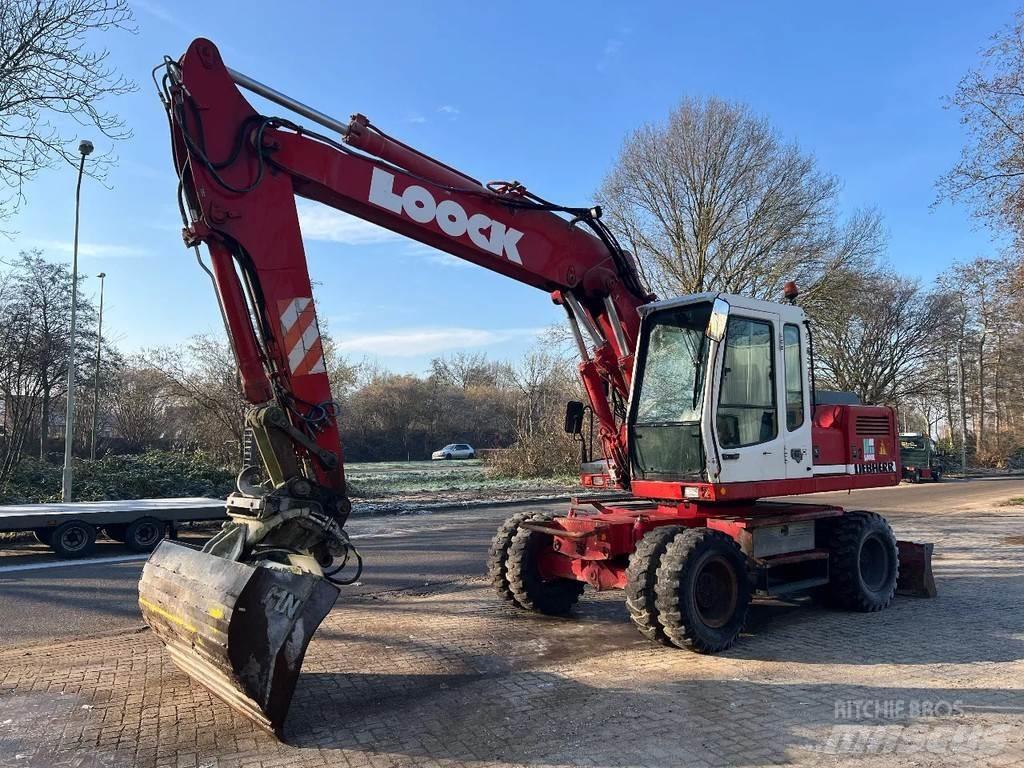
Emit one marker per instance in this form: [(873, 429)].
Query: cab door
[(795, 386), (750, 440)]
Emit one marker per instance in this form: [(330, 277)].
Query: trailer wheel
[(43, 535), (497, 555), (116, 531), (641, 577), (703, 590), (73, 539), (864, 562), (144, 534), (555, 597)]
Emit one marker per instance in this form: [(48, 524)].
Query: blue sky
[(539, 92)]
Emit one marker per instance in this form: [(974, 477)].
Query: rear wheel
[(703, 590), (497, 555), (144, 534), (73, 539), (864, 562), (641, 579), (555, 597)]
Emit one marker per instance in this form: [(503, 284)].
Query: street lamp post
[(96, 379), (84, 148)]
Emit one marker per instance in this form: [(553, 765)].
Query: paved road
[(42, 598)]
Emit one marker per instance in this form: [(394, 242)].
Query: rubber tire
[(447, 457), (43, 535), (497, 555), (641, 580), (847, 588), (677, 610), (936, 475), (136, 536), (73, 528), (554, 597), (116, 531)]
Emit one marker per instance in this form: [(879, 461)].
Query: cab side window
[(794, 377), (747, 412)]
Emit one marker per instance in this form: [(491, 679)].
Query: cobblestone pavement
[(447, 676)]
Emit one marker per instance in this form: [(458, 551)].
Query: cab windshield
[(665, 426)]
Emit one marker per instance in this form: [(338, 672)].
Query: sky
[(541, 92)]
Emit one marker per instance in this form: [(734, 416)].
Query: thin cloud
[(447, 260), (158, 11), (417, 119), (321, 223), (449, 109), (419, 341), (103, 250), (612, 50)]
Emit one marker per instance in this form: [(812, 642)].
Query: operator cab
[(720, 392)]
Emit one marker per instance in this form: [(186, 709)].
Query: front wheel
[(555, 597), (863, 561), (703, 590)]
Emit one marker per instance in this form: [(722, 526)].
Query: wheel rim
[(147, 534), (715, 591), (74, 539), (873, 563)]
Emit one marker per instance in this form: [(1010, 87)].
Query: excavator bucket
[(241, 631)]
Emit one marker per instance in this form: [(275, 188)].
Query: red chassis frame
[(240, 173)]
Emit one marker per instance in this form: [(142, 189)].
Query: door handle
[(730, 456)]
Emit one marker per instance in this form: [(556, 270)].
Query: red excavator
[(705, 405)]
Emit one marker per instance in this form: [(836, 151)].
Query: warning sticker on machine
[(869, 449)]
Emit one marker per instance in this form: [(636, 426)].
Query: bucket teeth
[(241, 631)]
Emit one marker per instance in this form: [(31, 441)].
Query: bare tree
[(203, 382), (50, 78), (715, 200), (990, 173), (139, 403), (878, 341)]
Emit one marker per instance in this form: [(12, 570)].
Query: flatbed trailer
[(70, 529)]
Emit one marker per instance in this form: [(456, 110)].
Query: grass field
[(425, 479)]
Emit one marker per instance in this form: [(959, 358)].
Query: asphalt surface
[(43, 599)]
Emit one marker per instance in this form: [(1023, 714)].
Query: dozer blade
[(916, 577), (239, 630)]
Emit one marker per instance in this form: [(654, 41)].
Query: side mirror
[(574, 417), (718, 321)]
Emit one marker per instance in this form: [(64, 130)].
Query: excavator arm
[(238, 615), (241, 172)]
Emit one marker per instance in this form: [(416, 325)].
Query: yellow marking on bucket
[(217, 613), (167, 615)]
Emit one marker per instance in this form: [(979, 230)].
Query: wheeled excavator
[(705, 407)]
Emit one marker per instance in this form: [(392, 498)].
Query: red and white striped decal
[(301, 336)]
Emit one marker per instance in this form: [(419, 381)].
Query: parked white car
[(455, 451)]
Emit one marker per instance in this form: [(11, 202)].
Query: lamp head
[(85, 147)]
